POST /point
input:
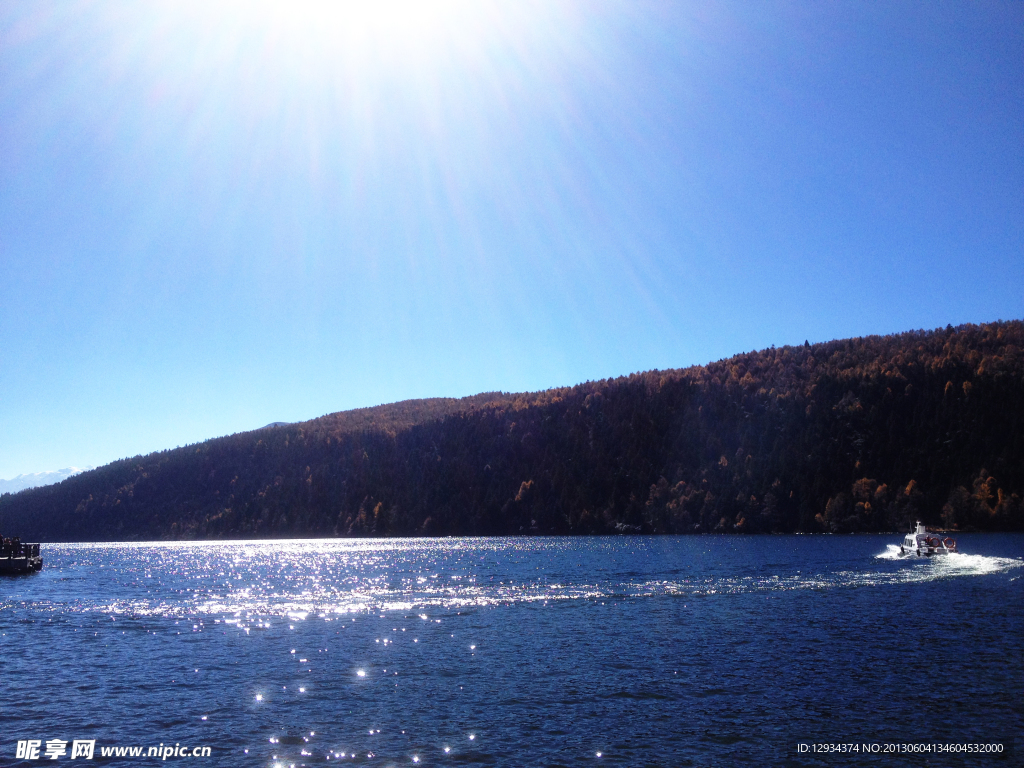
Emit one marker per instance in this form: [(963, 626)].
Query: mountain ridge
[(849, 435), (37, 479)]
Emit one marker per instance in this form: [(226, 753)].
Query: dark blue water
[(632, 651)]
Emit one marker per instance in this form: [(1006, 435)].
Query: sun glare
[(391, 17), (384, 24)]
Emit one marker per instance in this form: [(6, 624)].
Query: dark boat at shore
[(17, 558)]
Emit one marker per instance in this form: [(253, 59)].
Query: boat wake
[(953, 564), (956, 561), (892, 552), (958, 564)]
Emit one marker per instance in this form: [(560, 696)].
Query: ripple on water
[(246, 583)]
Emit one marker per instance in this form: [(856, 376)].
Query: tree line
[(865, 434)]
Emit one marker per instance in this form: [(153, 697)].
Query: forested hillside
[(856, 435)]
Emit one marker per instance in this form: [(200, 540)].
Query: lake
[(627, 651)]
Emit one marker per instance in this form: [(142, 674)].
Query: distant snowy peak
[(276, 424), (34, 480)]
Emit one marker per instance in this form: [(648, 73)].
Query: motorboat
[(921, 543)]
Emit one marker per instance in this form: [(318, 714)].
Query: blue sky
[(215, 216)]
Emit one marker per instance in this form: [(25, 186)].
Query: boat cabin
[(921, 542)]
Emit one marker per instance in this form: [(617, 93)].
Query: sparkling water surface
[(662, 651)]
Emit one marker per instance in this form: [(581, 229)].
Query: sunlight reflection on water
[(246, 584)]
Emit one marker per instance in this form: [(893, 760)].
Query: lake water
[(628, 651)]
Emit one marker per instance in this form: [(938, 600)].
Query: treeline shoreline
[(855, 435)]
